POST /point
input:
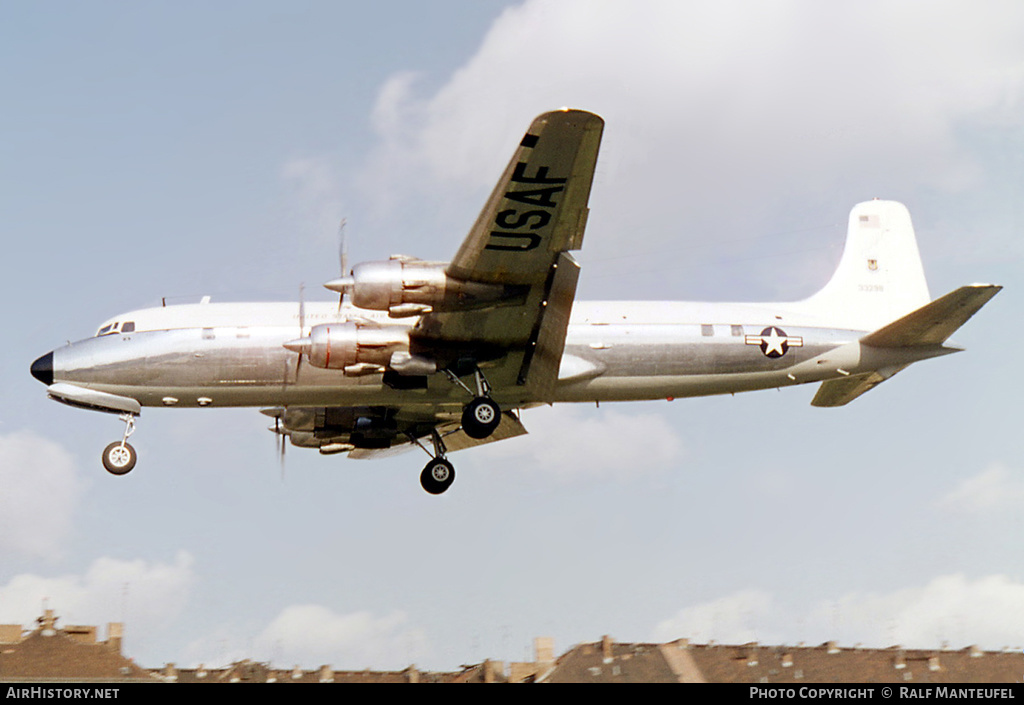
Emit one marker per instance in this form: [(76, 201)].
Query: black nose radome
[(42, 369)]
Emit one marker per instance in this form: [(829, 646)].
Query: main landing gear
[(480, 417), (120, 457)]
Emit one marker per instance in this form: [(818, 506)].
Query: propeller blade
[(281, 443), (345, 283), (302, 327), (342, 247)]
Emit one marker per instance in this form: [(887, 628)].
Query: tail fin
[(880, 277)]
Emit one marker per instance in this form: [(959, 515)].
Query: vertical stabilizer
[(880, 277)]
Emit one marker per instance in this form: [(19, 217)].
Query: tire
[(481, 417), (437, 476), (119, 458)]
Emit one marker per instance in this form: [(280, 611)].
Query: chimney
[(544, 649), (115, 635), (493, 671), (412, 675), (606, 648), (48, 623), (326, 674)]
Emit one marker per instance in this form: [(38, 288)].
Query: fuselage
[(233, 354)]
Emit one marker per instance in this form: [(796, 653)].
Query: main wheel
[(481, 417), (437, 476), (119, 458)]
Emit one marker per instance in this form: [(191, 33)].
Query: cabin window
[(208, 334), (707, 330), (736, 330), (128, 327)]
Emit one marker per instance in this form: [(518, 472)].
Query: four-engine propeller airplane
[(446, 354)]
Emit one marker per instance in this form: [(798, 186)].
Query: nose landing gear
[(120, 457)]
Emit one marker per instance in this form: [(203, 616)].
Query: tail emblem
[(774, 342)]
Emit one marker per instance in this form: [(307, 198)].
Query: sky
[(182, 149)]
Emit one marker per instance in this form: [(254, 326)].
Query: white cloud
[(316, 634), (147, 595), (316, 199), (995, 488), (722, 111), (311, 634), (40, 492), (732, 619), (988, 611), (571, 441)]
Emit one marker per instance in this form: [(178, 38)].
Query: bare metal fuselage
[(233, 355)]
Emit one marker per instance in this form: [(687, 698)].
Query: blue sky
[(188, 149)]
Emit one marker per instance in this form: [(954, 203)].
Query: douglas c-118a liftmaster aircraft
[(444, 355)]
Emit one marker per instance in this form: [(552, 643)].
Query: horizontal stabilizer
[(840, 392), (933, 323)]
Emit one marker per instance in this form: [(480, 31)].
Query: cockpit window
[(111, 328)]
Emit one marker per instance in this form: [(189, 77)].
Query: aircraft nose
[(42, 369)]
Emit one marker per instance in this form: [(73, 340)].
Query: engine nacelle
[(408, 287), (337, 346)]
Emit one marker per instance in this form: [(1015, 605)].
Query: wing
[(378, 432), (454, 438), (535, 216)]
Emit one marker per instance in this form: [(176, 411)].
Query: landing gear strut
[(120, 457), (438, 475), (481, 416)]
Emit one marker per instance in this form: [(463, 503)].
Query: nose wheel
[(120, 457)]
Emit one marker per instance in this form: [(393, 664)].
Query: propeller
[(281, 443), (281, 434), (302, 326), (345, 282)]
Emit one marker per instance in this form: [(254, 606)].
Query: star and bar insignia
[(774, 342)]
